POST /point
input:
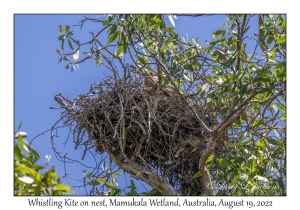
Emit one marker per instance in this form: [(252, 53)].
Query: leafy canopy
[(236, 74)]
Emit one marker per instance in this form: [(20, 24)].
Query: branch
[(151, 179)]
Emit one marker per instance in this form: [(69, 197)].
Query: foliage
[(28, 180), (114, 191), (240, 78), (107, 184)]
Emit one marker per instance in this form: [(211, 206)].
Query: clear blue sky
[(38, 77)]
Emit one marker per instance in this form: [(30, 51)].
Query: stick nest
[(137, 125)]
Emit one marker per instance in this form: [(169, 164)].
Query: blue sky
[(38, 78)]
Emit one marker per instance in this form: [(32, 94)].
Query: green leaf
[(243, 136), (18, 154), (234, 181), (219, 32), (112, 37), (142, 60), (110, 185), (90, 175), (281, 106), (105, 23), (60, 29), (270, 40), (213, 43), (109, 19), (51, 172), (260, 143), (283, 118), (21, 142), (280, 38), (125, 47), (100, 180), (223, 163), (112, 29), (34, 153), (120, 50), (92, 51), (60, 60), (149, 44), (67, 66), (162, 55), (23, 169), (230, 61), (70, 44), (71, 33), (244, 89), (94, 183), (133, 187), (153, 21), (197, 175), (98, 62), (252, 169), (62, 187), (223, 111), (62, 44), (263, 79), (274, 142), (257, 123), (61, 37), (238, 75), (36, 175), (67, 28), (38, 168), (125, 42), (56, 50), (209, 166)]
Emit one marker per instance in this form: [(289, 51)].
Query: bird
[(151, 80), (151, 83)]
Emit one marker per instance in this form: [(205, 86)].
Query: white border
[(9, 8)]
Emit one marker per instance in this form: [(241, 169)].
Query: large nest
[(135, 124)]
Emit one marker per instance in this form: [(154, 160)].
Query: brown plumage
[(151, 83)]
